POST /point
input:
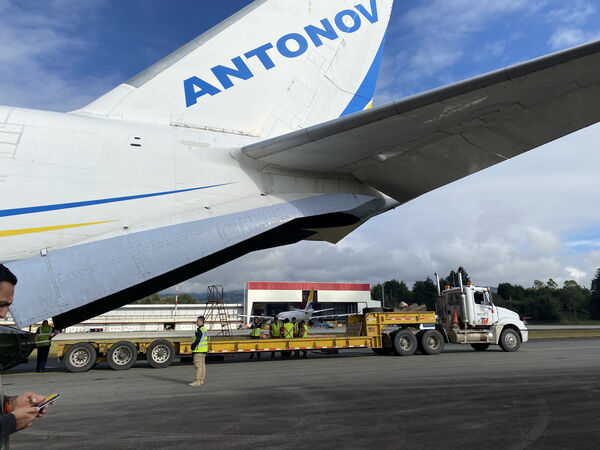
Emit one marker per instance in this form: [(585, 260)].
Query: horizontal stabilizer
[(417, 144)]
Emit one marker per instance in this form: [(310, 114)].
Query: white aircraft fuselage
[(148, 199)]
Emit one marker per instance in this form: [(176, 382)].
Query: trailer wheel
[(80, 357), (431, 342), (405, 343), (160, 354), (122, 355), (480, 347), (510, 341)]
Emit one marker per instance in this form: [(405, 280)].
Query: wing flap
[(414, 145)]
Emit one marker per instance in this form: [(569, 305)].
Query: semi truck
[(464, 314), (467, 315)]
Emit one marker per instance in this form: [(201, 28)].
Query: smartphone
[(47, 400)]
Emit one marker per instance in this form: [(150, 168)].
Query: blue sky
[(533, 217)]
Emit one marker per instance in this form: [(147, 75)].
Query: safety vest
[(295, 328), (202, 346), (43, 339), (304, 331), (275, 331), (288, 330), (255, 332)]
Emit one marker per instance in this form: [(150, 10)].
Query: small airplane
[(231, 145), (305, 313)]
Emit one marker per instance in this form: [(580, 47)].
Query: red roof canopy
[(290, 286)]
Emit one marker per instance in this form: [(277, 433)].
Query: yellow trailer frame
[(363, 331)]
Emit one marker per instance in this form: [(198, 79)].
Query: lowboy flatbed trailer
[(371, 330)]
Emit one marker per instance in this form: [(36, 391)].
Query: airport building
[(130, 318), (268, 297)]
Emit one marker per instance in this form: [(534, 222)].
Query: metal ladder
[(215, 310)]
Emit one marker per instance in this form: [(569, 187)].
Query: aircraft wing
[(414, 145), (319, 311), (260, 317), (334, 316)]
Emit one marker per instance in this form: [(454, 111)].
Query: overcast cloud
[(534, 217)]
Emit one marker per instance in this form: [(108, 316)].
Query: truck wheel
[(160, 354), (405, 343), (122, 355), (480, 347), (432, 342), (80, 357), (510, 341)]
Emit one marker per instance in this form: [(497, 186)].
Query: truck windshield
[(482, 298)]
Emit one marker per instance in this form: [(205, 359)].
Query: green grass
[(569, 319), (561, 334)]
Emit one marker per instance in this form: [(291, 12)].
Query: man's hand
[(30, 399), (25, 416)]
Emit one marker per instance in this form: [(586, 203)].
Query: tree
[(394, 291), (574, 298), (150, 300), (551, 284), (376, 292), (452, 278), (595, 297), (424, 292), (156, 299), (465, 275), (511, 292)]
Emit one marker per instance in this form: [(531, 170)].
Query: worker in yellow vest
[(255, 330), (288, 329), (288, 333), (303, 327), (275, 331), (199, 350), (42, 342)]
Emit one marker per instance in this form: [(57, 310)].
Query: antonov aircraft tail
[(272, 68)]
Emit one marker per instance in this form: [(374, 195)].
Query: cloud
[(33, 40), (569, 37), (573, 12), (575, 273), (571, 20)]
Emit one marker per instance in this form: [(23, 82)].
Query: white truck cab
[(467, 315)]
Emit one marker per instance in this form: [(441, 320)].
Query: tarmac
[(546, 395)]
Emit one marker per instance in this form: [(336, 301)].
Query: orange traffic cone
[(455, 317)]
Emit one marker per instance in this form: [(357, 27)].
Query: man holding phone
[(16, 413)]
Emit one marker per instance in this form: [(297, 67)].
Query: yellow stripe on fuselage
[(53, 228)]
